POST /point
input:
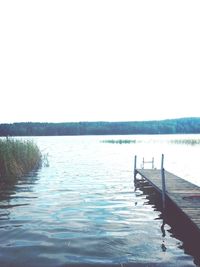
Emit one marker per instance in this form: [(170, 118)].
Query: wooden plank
[(185, 195)]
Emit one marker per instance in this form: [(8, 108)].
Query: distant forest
[(170, 126)]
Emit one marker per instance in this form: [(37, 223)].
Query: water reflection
[(15, 194), (174, 223), (83, 210)]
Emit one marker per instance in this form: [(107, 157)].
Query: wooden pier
[(183, 194)]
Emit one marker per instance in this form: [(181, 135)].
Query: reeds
[(191, 142), (119, 141), (188, 141), (18, 157)]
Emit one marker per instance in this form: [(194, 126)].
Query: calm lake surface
[(84, 209)]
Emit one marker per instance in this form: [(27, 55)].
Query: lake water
[(84, 209)]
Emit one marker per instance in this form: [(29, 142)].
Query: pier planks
[(185, 195)]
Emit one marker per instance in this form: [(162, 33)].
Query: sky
[(99, 60)]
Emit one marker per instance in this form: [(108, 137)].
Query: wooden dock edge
[(169, 199)]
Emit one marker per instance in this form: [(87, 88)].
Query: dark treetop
[(170, 126)]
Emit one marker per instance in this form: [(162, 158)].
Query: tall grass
[(18, 157)]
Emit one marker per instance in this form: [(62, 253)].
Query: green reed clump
[(119, 141), (18, 157)]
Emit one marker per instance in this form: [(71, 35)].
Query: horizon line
[(108, 121)]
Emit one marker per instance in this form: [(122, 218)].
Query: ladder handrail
[(144, 162)]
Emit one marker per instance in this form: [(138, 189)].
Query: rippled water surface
[(84, 209)]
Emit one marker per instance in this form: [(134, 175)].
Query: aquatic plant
[(18, 157), (191, 142), (45, 160), (119, 141), (186, 141)]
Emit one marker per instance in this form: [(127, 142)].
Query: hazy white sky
[(93, 60)]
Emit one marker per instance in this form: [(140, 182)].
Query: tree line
[(170, 126)]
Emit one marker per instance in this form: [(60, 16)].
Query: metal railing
[(162, 172)]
